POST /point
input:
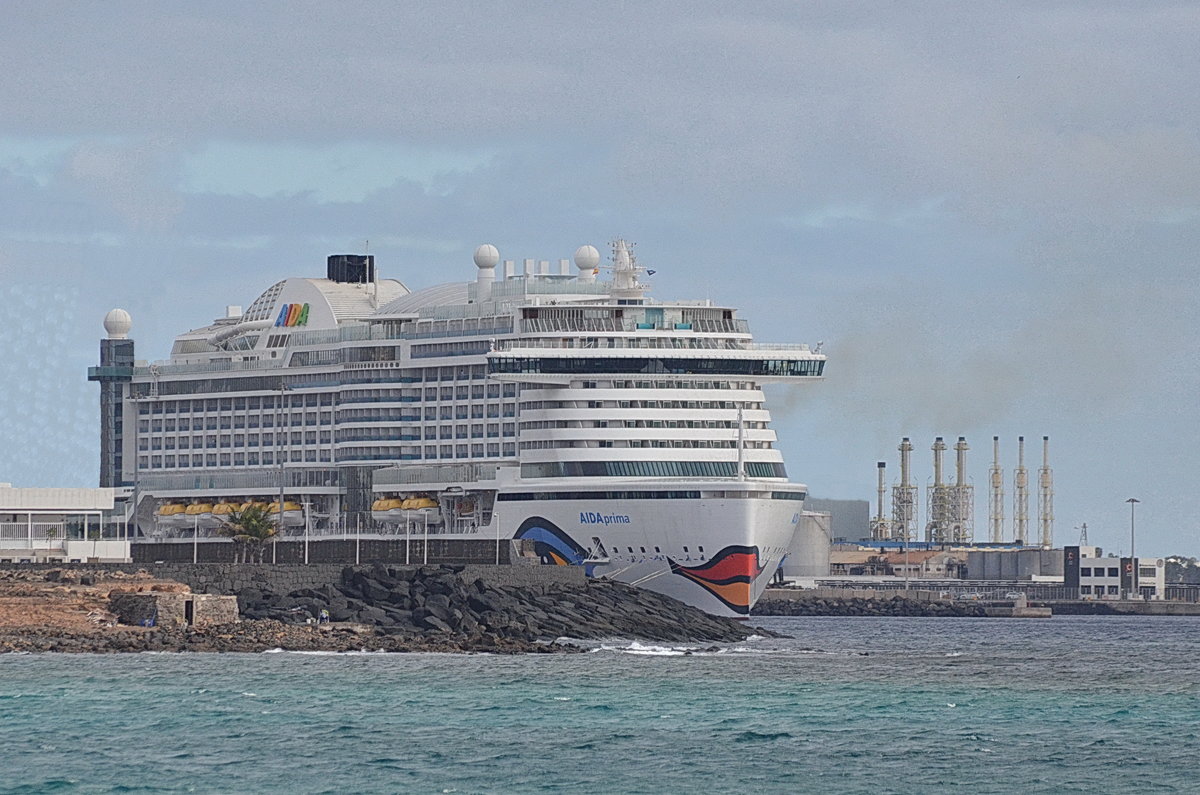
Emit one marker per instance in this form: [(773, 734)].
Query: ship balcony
[(110, 373), (761, 365)]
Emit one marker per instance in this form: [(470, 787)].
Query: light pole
[(279, 452), (306, 515), (1133, 571)]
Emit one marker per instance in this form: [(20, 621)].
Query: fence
[(24, 535), (960, 589)]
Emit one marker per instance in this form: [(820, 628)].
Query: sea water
[(856, 705)]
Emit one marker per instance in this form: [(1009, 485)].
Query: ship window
[(631, 549), (701, 549), (685, 549), (656, 549), (642, 548)]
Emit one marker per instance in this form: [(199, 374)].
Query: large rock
[(435, 599)]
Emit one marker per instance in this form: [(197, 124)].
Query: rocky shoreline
[(372, 608), (436, 600), (857, 606), (259, 636)]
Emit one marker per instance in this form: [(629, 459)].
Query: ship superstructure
[(566, 410)]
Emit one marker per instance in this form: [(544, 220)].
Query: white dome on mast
[(117, 324)]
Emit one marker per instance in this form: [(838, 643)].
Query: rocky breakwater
[(254, 636), (865, 606), (436, 602), (374, 608)]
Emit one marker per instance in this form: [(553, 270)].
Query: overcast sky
[(989, 212)]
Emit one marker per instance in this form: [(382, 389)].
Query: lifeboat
[(422, 510), (293, 514), (200, 514), (388, 510), (171, 515), (222, 512)]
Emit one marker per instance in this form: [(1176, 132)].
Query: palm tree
[(250, 529)]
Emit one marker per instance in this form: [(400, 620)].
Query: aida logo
[(591, 517), (292, 315)]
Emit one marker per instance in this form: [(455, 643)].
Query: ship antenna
[(374, 275)]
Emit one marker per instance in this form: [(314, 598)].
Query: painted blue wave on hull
[(548, 536)]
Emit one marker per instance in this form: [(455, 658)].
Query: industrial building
[(1099, 577), (848, 518), (1032, 565)]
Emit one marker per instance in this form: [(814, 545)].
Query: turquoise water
[(864, 705)]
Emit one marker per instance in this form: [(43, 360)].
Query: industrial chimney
[(1020, 496), (962, 498), (880, 528), (938, 499), (1046, 496), (904, 498), (996, 495)]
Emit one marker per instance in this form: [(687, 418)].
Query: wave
[(309, 653), (651, 650), (760, 737)]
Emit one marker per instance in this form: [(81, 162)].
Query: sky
[(989, 213)]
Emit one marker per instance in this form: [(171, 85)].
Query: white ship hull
[(718, 554)]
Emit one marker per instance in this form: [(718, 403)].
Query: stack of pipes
[(904, 497), (996, 495), (962, 503), (1020, 496), (1046, 496)]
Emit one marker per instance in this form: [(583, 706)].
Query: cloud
[(136, 181), (989, 213)]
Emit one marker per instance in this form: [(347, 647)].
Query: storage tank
[(808, 556)]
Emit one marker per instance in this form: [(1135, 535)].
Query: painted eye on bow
[(729, 576)]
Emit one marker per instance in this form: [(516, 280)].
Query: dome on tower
[(486, 256), (118, 323), (587, 258)]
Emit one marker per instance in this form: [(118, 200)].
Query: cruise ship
[(560, 410)]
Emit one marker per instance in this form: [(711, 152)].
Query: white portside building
[(1103, 577), (45, 525)]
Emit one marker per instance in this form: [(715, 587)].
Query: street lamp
[(279, 455), (1133, 572)]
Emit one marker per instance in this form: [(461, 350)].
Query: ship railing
[(235, 479), (635, 343), (433, 473), (777, 346), (521, 286), (583, 325), (166, 368)]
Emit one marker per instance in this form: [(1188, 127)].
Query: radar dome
[(118, 323), (486, 256), (587, 258)]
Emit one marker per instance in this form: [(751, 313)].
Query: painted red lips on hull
[(729, 576)]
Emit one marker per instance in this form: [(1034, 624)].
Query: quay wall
[(230, 578), (802, 594), (343, 551)]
